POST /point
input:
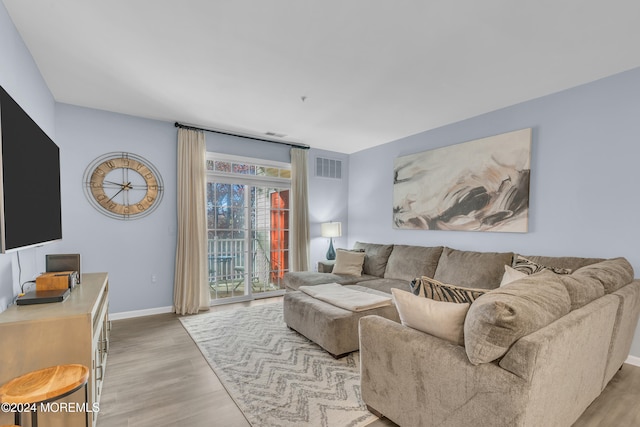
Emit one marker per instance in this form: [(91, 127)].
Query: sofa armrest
[(414, 378), (624, 328), (564, 363), (326, 266)]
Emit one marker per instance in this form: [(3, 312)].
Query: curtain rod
[(291, 144)]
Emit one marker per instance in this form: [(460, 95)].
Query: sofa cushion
[(431, 288), (385, 285), (526, 266), (407, 262), (441, 319), (572, 263), (375, 261), (500, 317), (482, 270), (612, 273), (348, 262), (582, 289)]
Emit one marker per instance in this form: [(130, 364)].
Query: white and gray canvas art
[(480, 185)]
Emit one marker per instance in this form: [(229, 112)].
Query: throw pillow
[(613, 273), (504, 315), (348, 263), (431, 288), (438, 318), (529, 267), (481, 270), (511, 274)]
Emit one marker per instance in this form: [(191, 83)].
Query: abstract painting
[(480, 185)]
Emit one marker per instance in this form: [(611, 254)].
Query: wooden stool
[(45, 385)]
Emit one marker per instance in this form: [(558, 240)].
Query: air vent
[(328, 168)]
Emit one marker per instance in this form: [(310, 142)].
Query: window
[(248, 226)]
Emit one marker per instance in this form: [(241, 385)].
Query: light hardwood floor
[(157, 377)]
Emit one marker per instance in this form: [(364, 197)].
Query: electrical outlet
[(154, 278)]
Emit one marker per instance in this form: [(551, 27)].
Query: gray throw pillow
[(482, 270), (612, 273), (377, 255), (502, 316)]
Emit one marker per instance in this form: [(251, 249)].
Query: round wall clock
[(123, 185)]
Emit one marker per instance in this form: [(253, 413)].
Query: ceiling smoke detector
[(275, 134)]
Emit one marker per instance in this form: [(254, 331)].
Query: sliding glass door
[(248, 235)]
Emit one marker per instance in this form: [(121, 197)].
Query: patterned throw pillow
[(431, 288), (529, 267)]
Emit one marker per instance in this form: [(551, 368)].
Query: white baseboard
[(140, 313), (633, 360)]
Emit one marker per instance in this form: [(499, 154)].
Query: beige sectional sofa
[(559, 339)]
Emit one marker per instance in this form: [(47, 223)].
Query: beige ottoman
[(333, 328)]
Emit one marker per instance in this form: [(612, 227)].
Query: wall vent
[(328, 168)]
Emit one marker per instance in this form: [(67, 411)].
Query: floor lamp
[(331, 230)]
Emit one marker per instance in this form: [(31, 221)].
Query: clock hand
[(121, 190), (126, 186)]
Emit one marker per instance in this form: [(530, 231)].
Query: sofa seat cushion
[(376, 257), (293, 280), (385, 285), (500, 317), (469, 269), (612, 273), (407, 262)]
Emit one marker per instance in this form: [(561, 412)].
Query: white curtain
[(191, 287), (299, 211)]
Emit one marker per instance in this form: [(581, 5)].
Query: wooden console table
[(76, 330)]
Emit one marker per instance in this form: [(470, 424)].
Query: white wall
[(584, 176)]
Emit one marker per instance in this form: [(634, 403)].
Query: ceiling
[(340, 75)]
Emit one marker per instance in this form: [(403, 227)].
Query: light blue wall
[(133, 251), (20, 76), (584, 176), (227, 144), (327, 202), (130, 251), (583, 189)]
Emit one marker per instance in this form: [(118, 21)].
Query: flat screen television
[(30, 203)]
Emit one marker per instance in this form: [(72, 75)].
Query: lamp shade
[(331, 229)]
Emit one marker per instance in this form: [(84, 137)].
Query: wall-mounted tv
[(30, 204)]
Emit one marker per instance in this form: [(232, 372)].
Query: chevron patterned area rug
[(276, 376)]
